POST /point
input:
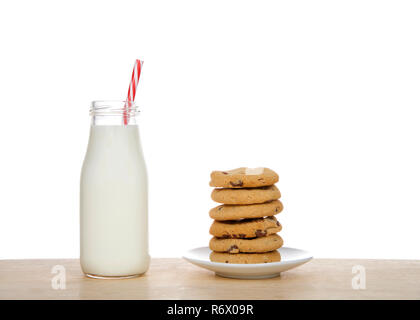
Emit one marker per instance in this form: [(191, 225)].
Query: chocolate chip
[(278, 223), (233, 236), (220, 208), (233, 248), (238, 183), (260, 233)]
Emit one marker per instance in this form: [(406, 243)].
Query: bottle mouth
[(113, 108)]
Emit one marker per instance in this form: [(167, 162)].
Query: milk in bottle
[(113, 195)]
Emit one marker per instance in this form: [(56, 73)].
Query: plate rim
[(248, 265)]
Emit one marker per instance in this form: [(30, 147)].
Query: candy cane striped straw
[(135, 76)]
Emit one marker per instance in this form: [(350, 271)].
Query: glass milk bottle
[(113, 195)]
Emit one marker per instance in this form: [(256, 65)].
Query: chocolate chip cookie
[(246, 195), (246, 228), (256, 245), (243, 178), (245, 258), (236, 212)]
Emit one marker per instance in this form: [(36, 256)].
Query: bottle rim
[(113, 108)]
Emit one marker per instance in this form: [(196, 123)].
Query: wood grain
[(177, 279)]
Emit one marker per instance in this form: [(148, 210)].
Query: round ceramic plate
[(290, 258)]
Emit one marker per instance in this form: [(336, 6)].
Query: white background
[(324, 92)]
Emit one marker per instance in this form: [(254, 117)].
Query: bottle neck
[(108, 120), (113, 113)]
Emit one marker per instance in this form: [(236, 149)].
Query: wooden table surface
[(177, 279)]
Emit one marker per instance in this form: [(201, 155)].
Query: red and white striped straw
[(131, 96)]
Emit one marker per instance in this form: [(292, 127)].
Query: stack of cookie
[(245, 229)]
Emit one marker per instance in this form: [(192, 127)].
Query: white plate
[(290, 258)]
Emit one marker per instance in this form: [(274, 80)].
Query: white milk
[(113, 204)]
